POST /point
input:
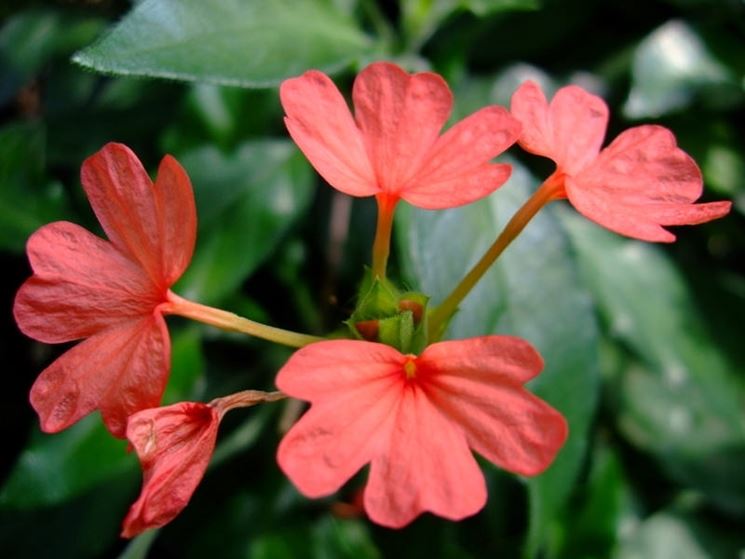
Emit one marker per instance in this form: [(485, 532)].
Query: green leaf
[(55, 468), (671, 67), (249, 43), (486, 7), (32, 38), (187, 365), (606, 507), (85, 527), (338, 538), (677, 533), (679, 396), (531, 292), (246, 200), (27, 199), (330, 538), (421, 18)]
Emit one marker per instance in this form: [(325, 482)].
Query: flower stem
[(551, 189), (245, 399), (382, 245), (234, 323)]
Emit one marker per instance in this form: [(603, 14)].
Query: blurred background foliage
[(643, 344)]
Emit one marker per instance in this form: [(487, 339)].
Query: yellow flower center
[(410, 367)]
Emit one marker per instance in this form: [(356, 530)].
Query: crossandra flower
[(108, 292), (392, 146), (637, 184), (414, 420), (174, 445)]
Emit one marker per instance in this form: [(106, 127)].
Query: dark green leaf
[(86, 527), (329, 538), (421, 18), (187, 365), (249, 43), (671, 66), (27, 199), (338, 538), (680, 398), (531, 292), (679, 534), (606, 508), (55, 468), (31, 39), (246, 201)]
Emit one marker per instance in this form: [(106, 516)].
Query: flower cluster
[(391, 395)]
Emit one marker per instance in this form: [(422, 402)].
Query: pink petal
[(332, 367), (692, 214), (504, 359), (641, 182), (604, 209), (578, 122), (353, 385), (174, 445), (122, 196), (81, 284), (339, 435), (427, 467), (177, 217), (400, 116), (138, 217), (461, 190), (529, 106), (120, 370), (457, 169), (570, 130), (645, 162), (477, 384), (319, 121)]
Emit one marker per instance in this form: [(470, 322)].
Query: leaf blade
[(246, 43)]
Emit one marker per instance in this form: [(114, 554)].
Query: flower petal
[(174, 445), (529, 106), (458, 191), (177, 218), (578, 122), (81, 284), (323, 369), (138, 217), (642, 181), (426, 467), (489, 359), (120, 370), (338, 436), (457, 169), (570, 130), (477, 384), (400, 116), (122, 196), (353, 386), (319, 121)]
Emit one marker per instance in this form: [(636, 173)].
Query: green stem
[(551, 189), (382, 244), (234, 323)]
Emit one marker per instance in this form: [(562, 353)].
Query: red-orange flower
[(392, 146), (413, 419), (108, 292), (637, 184), (174, 445)]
